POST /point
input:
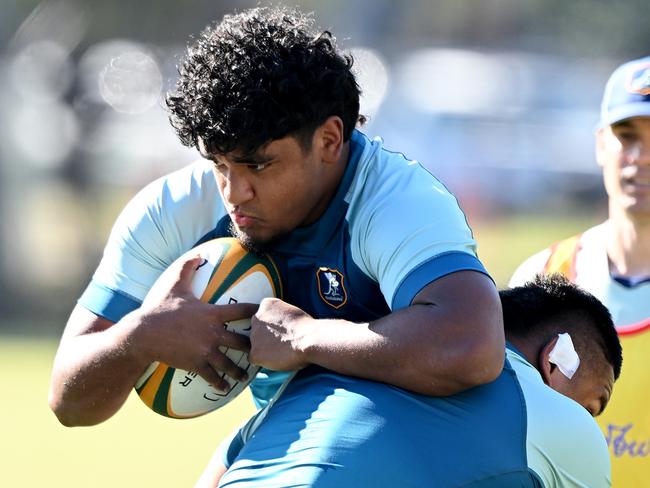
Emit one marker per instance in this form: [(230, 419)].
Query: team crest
[(639, 81), (331, 287)]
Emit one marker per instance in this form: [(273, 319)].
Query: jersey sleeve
[(164, 220), (408, 230)]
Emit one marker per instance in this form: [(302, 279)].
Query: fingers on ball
[(222, 363)]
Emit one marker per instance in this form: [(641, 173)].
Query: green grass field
[(138, 448), (135, 448), (504, 244)]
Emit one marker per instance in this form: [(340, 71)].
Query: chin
[(637, 210), (642, 213), (251, 243)]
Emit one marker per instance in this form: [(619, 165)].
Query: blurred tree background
[(498, 98)]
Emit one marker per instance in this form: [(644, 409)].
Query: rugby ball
[(228, 274)]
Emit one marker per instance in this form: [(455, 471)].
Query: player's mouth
[(635, 181), (243, 220), (636, 187)]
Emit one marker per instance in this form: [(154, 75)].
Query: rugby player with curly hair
[(385, 304)]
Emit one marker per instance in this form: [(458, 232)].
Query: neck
[(530, 352), (628, 245)]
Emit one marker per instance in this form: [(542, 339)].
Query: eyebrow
[(252, 159), (623, 124), (603, 403), (604, 400)]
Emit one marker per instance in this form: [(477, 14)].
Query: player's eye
[(219, 166), (594, 408), (258, 166), (626, 137)]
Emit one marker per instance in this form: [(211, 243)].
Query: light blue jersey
[(335, 432), (390, 230), (332, 431), (563, 442)]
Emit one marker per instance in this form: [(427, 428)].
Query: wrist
[(307, 342), (135, 340)]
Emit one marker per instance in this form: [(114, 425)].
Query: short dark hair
[(549, 305), (261, 75)]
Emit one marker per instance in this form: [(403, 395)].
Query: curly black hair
[(260, 75), (549, 305)]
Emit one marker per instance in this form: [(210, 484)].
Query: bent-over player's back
[(565, 447)]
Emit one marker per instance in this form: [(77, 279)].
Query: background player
[(612, 260), (556, 427), (272, 104)]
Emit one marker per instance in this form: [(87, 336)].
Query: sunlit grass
[(504, 244), (134, 448)]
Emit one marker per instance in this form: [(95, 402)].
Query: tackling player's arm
[(212, 472), (99, 361), (449, 339)]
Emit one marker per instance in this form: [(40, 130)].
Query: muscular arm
[(212, 472), (449, 339), (95, 368), (98, 362)]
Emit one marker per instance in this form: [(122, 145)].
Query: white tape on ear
[(564, 355)]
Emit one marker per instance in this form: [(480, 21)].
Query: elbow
[(476, 362), (65, 420), (62, 415), (57, 403), (485, 366), (485, 352), (68, 417), (473, 370), (65, 411), (484, 359), (60, 409)]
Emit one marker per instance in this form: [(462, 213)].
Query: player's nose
[(643, 157), (237, 188)]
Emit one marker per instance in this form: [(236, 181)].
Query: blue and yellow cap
[(627, 93)]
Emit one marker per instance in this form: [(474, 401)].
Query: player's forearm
[(418, 349), (451, 338), (94, 373)]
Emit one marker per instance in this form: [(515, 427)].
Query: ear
[(328, 139), (546, 368)]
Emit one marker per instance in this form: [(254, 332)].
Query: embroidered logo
[(639, 81), (331, 287)]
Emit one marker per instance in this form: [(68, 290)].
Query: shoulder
[(595, 234), (186, 197), (557, 429), (527, 270), (561, 256), (401, 218), (398, 195), (192, 184), (383, 173), (164, 220)]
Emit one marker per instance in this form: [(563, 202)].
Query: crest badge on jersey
[(639, 81), (331, 287)]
